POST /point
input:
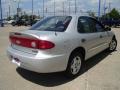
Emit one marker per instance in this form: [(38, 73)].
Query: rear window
[(55, 23)]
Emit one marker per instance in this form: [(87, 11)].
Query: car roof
[(74, 15)]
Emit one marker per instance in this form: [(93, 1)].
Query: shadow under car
[(55, 79)]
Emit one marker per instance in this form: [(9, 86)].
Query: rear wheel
[(74, 65), (113, 45)]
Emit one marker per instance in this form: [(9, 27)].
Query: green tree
[(15, 17), (9, 18), (26, 17), (90, 13), (114, 14)]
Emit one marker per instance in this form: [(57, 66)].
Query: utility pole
[(99, 9), (2, 24), (18, 7), (54, 7), (46, 11), (9, 11), (63, 9), (105, 7), (75, 7), (43, 8), (69, 7), (32, 9), (109, 7), (18, 3), (38, 13)]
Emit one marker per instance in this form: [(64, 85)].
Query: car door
[(89, 36), (104, 36)]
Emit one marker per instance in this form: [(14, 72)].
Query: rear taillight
[(45, 44), (31, 42)]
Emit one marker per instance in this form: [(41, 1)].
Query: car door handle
[(83, 40)]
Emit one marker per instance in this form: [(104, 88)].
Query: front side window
[(89, 25), (99, 28), (55, 23), (95, 25)]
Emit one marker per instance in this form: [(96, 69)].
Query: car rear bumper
[(41, 63)]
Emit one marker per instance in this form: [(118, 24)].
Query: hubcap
[(75, 65), (113, 45)]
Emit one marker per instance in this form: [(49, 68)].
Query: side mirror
[(107, 29)]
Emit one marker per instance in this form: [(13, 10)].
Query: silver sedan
[(60, 43)]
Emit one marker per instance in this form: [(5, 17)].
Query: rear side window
[(84, 26), (55, 23)]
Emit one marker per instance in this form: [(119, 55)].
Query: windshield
[(55, 23)]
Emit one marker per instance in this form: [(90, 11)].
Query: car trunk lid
[(29, 41)]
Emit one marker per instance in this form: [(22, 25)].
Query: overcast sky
[(82, 5)]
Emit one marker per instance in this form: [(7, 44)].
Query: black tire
[(113, 45), (68, 71)]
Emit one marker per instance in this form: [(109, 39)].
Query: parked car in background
[(5, 21), (2, 22), (9, 21), (60, 43), (19, 22), (32, 22), (23, 22), (111, 22)]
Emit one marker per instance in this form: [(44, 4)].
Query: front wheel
[(74, 65), (113, 45)]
